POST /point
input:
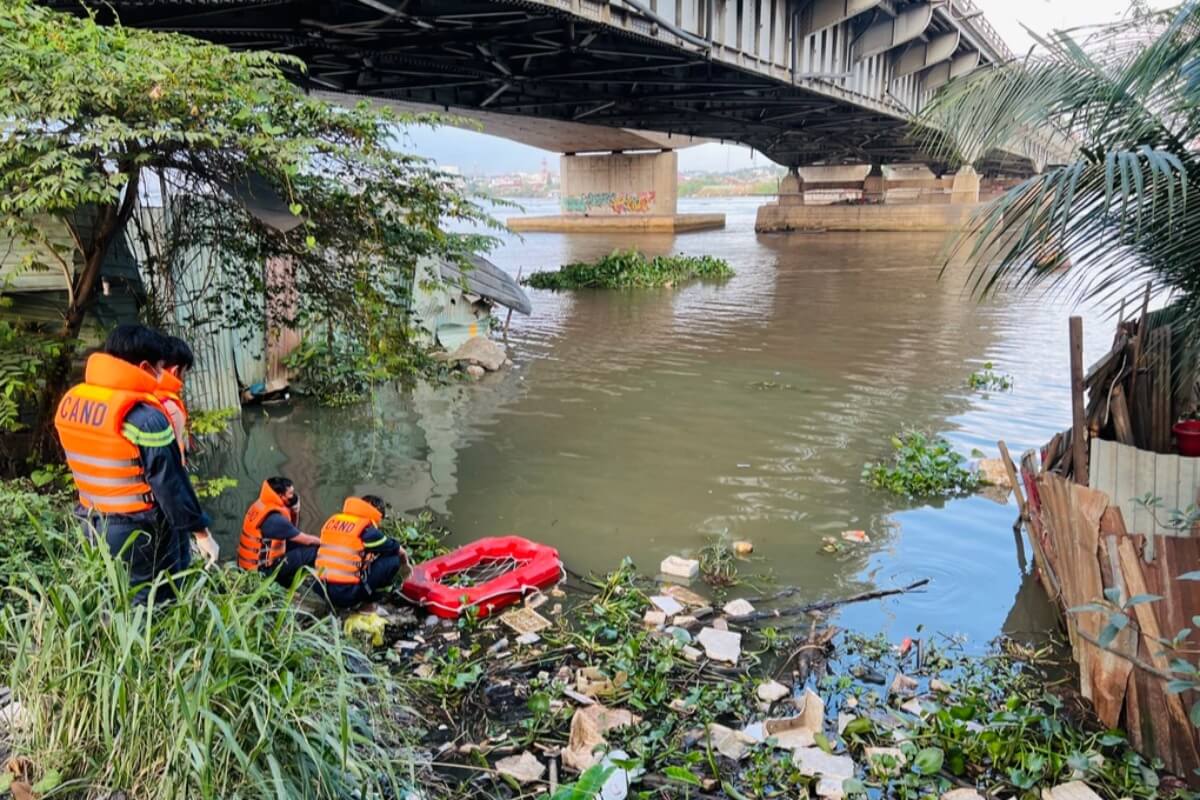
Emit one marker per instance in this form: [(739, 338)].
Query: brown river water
[(644, 423)]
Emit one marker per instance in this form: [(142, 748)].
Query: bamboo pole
[(1011, 469), (1079, 430), (1138, 343)]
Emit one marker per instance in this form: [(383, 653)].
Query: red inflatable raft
[(503, 569)]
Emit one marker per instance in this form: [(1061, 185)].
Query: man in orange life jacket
[(133, 489), (356, 561), (270, 540), (177, 361)]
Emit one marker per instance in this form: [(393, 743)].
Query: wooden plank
[(1120, 416), (1160, 398), (1139, 342), (1011, 469), (1079, 467)]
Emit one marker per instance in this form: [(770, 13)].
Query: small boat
[(487, 575)]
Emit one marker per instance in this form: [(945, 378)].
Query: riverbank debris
[(667, 604), (721, 645), (857, 537), (742, 548), (680, 567), (738, 608), (524, 768), (480, 351)]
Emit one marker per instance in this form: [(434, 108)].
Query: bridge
[(802, 81)]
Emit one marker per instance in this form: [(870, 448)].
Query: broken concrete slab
[(739, 608), (812, 710), (685, 596), (524, 768), (1075, 790), (721, 645), (685, 621), (654, 619), (771, 691), (679, 567), (816, 762), (903, 685), (691, 653), (790, 733), (831, 788), (667, 604), (962, 794), (728, 742)]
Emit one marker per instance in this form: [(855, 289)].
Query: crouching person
[(270, 541), (356, 562)]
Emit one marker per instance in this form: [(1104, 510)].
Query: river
[(645, 423)]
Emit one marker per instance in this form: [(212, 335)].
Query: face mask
[(293, 501)]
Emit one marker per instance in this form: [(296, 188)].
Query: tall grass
[(228, 692)]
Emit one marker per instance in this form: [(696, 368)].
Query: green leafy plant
[(718, 563), (922, 466), (988, 380), (422, 538), (631, 269), (586, 788), (1178, 519), (208, 488), (25, 352), (210, 423)]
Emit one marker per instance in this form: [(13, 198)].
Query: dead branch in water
[(825, 605)]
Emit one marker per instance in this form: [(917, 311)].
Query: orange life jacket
[(255, 552), (90, 420), (169, 394), (342, 556)]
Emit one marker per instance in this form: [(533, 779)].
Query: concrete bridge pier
[(619, 191), (907, 199)]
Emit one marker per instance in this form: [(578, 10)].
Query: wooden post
[(1138, 344), (1120, 416), (1079, 430)]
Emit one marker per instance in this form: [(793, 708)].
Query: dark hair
[(376, 501), (135, 344), (179, 353), (279, 485)]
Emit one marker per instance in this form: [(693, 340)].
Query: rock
[(885, 760), (654, 619), (685, 621), (685, 596), (588, 726), (938, 686), (992, 471), (814, 761), (680, 567), (721, 645), (858, 537), (680, 635), (912, 707), (480, 351), (902, 685), (728, 742), (525, 768), (1075, 790), (738, 608), (528, 639), (962, 794), (720, 624), (667, 604), (771, 691), (691, 654), (475, 371), (702, 612)]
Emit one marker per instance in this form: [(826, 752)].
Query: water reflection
[(641, 423)]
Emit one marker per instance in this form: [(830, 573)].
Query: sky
[(476, 153)]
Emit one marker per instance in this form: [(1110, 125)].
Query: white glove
[(204, 544)]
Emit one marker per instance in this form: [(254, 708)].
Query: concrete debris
[(738, 608), (939, 686), (667, 604), (993, 471), (844, 719), (480, 351), (790, 733), (728, 742), (903, 685), (525, 768), (771, 691), (654, 619), (578, 697), (885, 760), (757, 731), (721, 645), (524, 620), (680, 567), (685, 596), (475, 371), (851, 701), (588, 726), (691, 654), (912, 707), (812, 710), (528, 639), (720, 624), (1075, 790), (499, 646), (742, 548), (831, 788), (816, 762), (685, 621)]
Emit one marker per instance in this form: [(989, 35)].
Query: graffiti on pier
[(614, 203)]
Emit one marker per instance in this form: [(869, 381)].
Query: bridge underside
[(509, 57)]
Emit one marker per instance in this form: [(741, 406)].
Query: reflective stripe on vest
[(90, 422), (341, 557)]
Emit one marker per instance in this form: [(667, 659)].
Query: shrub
[(922, 466), (229, 692), (631, 270)]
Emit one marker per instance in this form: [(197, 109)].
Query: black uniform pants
[(380, 574)]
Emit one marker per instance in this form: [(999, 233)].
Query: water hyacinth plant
[(630, 269), (922, 466)]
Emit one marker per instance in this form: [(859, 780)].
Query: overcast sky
[(476, 152)]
